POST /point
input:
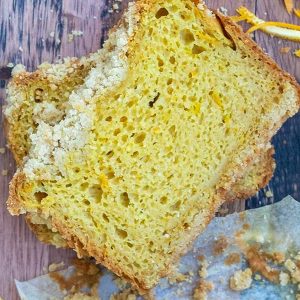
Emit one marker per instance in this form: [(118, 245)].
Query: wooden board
[(35, 31)]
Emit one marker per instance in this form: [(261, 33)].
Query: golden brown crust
[(203, 218), (262, 173), (238, 36)]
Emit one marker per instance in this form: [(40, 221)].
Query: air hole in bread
[(117, 131), (84, 186), (140, 138), (172, 130), (121, 233), (108, 119), (162, 12), (96, 192), (39, 196), (172, 60), (124, 199), (163, 200), (187, 36), (110, 153), (105, 218), (86, 202), (197, 49)]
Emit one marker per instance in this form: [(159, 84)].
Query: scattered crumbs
[(57, 41), (77, 32), (203, 269), (51, 10), (56, 266), (293, 269), (220, 245), (121, 283), (94, 17), (242, 216), (10, 65), (176, 277), (20, 49), (201, 258), (284, 278), (127, 294), (232, 258), (257, 277), (74, 33), (241, 280), (115, 6), (2, 150), (269, 194), (86, 274), (246, 226), (297, 53), (202, 289), (285, 50), (52, 34), (277, 257), (223, 10), (4, 172), (110, 11), (223, 211), (257, 262), (297, 257)]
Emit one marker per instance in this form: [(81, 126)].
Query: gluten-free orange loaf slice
[(181, 103)]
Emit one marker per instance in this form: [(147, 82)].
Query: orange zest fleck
[(297, 12), (285, 50), (279, 29), (297, 53), (276, 24), (238, 18), (289, 5)]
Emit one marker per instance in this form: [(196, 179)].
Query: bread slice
[(137, 168), (42, 96)]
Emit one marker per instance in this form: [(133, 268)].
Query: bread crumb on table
[(241, 280), (220, 245), (55, 266), (284, 278), (202, 289), (232, 258), (203, 269), (285, 50), (4, 172), (2, 150)]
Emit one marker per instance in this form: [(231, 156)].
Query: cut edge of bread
[(202, 218)]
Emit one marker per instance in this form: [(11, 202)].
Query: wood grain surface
[(32, 31)]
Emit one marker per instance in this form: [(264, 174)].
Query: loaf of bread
[(179, 105), (41, 96)]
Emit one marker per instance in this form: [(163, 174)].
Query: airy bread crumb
[(241, 280)]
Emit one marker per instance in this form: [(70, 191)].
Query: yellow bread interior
[(134, 171), (43, 95)]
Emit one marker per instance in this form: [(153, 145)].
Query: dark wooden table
[(26, 36)]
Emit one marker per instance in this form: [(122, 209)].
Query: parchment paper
[(276, 226)]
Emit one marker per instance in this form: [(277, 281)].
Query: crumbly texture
[(124, 295), (284, 278), (145, 128), (203, 269), (202, 289), (241, 280), (55, 266)]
